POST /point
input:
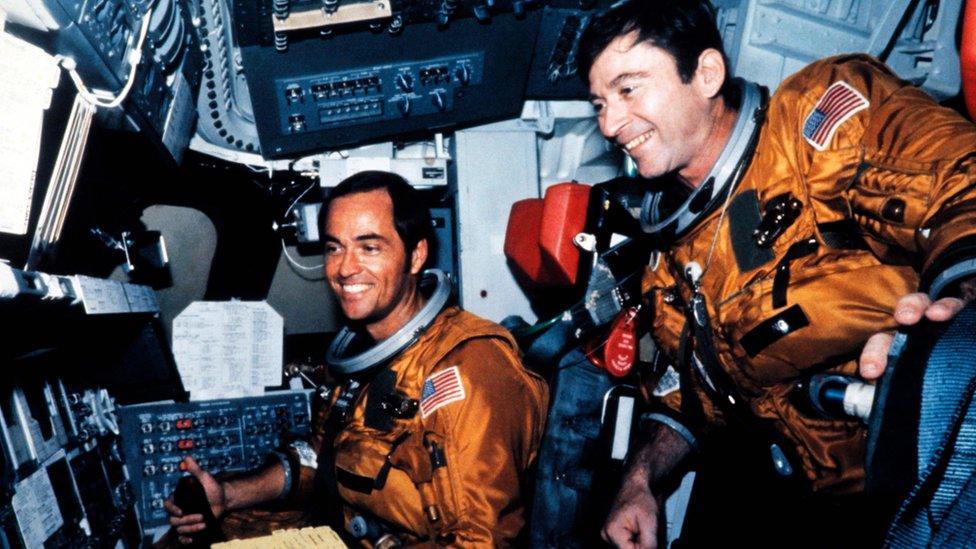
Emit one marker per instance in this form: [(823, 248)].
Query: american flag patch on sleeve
[(441, 389), (836, 105)]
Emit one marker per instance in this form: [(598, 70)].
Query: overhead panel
[(367, 71)]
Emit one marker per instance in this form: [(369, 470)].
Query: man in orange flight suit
[(848, 210), (427, 442)]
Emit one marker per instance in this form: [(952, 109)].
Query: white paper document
[(36, 508), (228, 349), (28, 76)]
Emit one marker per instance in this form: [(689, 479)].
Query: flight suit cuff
[(957, 264), (674, 425), (284, 460)]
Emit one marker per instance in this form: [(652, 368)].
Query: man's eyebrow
[(626, 76), (618, 79), (370, 236), (359, 238)]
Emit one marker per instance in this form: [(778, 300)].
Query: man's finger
[(910, 308), (874, 357), (944, 309), (191, 528), (171, 508), (192, 467), (618, 535), (196, 518)]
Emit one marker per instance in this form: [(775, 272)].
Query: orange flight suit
[(456, 467), (885, 207)]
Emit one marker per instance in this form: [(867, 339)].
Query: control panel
[(64, 481), (223, 436), (108, 28), (346, 88), (99, 35), (378, 93)]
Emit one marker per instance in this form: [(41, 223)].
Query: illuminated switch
[(185, 423), (182, 466), (185, 444), (294, 94)]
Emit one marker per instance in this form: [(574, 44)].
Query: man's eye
[(597, 107), (371, 249), (626, 90), (331, 249)]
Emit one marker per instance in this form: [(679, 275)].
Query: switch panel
[(380, 93), (223, 436)]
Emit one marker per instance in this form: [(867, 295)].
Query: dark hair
[(683, 28), (411, 216)]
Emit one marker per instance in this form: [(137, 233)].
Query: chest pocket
[(368, 478)]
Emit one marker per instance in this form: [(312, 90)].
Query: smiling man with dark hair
[(802, 231), (434, 423)]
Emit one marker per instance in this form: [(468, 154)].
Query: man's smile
[(635, 142)]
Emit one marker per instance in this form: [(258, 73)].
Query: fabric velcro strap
[(842, 235), (357, 483), (773, 329), (781, 280)]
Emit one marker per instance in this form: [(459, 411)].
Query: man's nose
[(612, 120), (348, 264)]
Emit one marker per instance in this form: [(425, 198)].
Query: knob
[(296, 122), (404, 105), (481, 12), (463, 74), (439, 101), (293, 93), (518, 7), (404, 82), (396, 25)]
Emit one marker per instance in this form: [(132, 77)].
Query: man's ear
[(418, 257), (710, 74)]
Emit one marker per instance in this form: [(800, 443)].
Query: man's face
[(644, 107), (366, 263)]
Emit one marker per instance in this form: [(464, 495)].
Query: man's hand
[(633, 518), (187, 525), (909, 310)]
